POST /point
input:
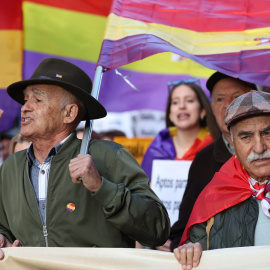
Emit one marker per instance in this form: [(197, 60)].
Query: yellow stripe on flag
[(11, 57), (62, 32), (152, 64)]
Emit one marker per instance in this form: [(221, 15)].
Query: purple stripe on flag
[(11, 110), (252, 66), (115, 94), (32, 60)]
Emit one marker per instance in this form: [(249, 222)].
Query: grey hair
[(69, 98), (231, 134)]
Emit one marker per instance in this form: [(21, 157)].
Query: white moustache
[(254, 156)]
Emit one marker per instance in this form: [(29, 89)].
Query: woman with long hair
[(190, 125)]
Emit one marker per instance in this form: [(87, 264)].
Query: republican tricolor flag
[(230, 36)]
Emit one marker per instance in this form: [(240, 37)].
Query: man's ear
[(70, 113)]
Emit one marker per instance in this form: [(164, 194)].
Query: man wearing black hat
[(209, 160), (234, 208), (50, 195)]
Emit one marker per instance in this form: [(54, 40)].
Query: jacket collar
[(221, 153)]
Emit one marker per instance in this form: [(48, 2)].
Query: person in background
[(18, 143), (64, 199), (209, 160), (110, 134), (1, 158), (190, 125), (5, 138), (94, 135), (234, 208), (1, 113), (80, 132)]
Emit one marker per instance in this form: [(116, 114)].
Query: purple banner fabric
[(11, 111)]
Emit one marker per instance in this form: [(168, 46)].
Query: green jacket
[(123, 210), (233, 227)]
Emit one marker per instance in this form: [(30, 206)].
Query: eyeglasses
[(172, 84)]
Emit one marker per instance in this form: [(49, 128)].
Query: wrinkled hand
[(1, 113), (188, 255), (166, 246), (4, 242), (83, 166)]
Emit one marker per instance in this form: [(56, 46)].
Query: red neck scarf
[(228, 187), (203, 139)]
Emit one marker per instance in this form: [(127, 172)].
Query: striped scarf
[(261, 191)]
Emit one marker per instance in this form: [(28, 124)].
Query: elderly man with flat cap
[(234, 208), (224, 89), (52, 196)]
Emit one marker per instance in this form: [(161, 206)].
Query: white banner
[(41, 258), (169, 180)]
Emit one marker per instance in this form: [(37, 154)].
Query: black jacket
[(207, 162)]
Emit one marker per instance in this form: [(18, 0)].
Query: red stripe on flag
[(101, 7), (198, 15), (11, 15)]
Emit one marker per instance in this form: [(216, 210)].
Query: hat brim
[(245, 115), (94, 110)]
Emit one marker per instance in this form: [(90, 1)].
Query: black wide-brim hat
[(66, 75)]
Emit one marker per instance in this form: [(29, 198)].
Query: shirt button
[(42, 171)]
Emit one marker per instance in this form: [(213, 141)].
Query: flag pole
[(89, 123)]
